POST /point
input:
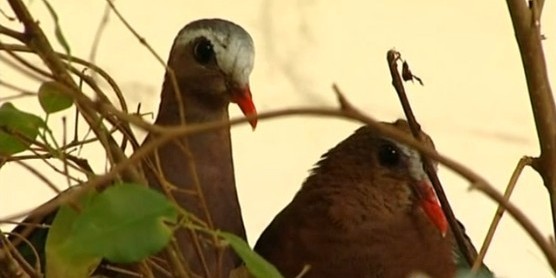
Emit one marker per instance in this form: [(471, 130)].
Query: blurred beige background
[(474, 102)]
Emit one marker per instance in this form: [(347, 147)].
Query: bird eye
[(203, 51), (389, 155)]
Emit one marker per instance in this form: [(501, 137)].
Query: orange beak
[(430, 205), (242, 97)]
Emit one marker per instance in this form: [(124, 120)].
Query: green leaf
[(256, 264), (15, 127), (52, 99), (124, 224), (59, 262)]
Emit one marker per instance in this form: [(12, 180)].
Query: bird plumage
[(211, 60), (358, 215)]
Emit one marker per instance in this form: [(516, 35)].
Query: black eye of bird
[(389, 155), (203, 51)]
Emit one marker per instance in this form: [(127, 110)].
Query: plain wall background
[(474, 103)]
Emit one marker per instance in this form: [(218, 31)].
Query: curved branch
[(347, 112), (36, 40)]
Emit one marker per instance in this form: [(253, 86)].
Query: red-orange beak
[(430, 205), (242, 96)]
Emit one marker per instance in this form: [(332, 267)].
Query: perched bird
[(366, 210), (212, 60)]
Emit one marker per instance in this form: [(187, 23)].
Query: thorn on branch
[(344, 104)]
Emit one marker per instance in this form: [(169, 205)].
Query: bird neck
[(195, 108), (211, 152), (197, 172)]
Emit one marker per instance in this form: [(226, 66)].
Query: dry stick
[(24, 266), (392, 57), (122, 271), (103, 108), (30, 270), (111, 82), (29, 65), (62, 154), (22, 92), (35, 39), (9, 267), (115, 88), (100, 30), (11, 33), (347, 112), (526, 23), (81, 165), (143, 41), (123, 127), (102, 137), (19, 68), (524, 161), (42, 177), (167, 134)]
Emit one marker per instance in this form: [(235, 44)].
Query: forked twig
[(525, 17)]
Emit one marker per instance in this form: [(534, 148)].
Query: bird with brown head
[(366, 210)]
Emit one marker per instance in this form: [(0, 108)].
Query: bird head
[(213, 58), (407, 165), (386, 178)]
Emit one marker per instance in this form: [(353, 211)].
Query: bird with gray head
[(366, 210), (211, 60)]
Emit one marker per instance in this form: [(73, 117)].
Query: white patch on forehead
[(233, 48), (415, 163)]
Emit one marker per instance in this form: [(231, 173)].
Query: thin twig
[(36, 40), (111, 82), (12, 33), (123, 127), (9, 267), (354, 115), (42, 177), (29, 65), (392, 58), (20, 68), (524, 161), (22, 92), (100, 30), (32, 271)]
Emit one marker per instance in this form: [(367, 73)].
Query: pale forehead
[(415, 166), (233, 46)]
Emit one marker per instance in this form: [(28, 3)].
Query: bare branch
[(527, 28)]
